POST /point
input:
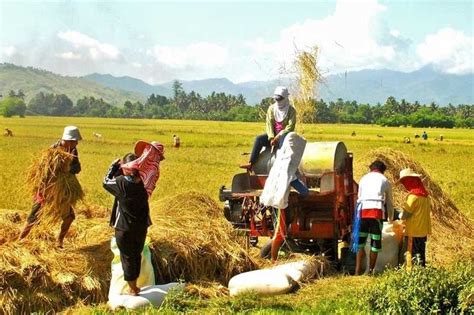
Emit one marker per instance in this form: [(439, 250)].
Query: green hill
[(32, 81)]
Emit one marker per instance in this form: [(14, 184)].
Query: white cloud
[(9, 51), (193, 55), (96, 49), (136, 64), (395, 33), (69, 55), (352, 38), (449, 50)]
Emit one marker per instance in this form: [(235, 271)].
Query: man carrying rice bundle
[(55, 185), (132, 182)]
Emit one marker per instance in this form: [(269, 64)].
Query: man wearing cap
[(281, 119), (375, 194), (416, 215), (68, 143)]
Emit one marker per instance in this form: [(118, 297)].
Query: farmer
[(281, 119), (375, 194), (416, 214), (132, 182), (68, 143), (176, 141), (424, 135)]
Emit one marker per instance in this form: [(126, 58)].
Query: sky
[(159, 41)]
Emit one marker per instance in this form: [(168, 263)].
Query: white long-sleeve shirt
[(375, 191)]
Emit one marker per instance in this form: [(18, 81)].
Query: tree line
[(226, 107)]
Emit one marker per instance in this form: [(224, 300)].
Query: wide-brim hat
[(71, 133), (141, 145), (408, 172)]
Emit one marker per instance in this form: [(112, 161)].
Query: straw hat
[(71, 133), (408, 172), (142, 144)]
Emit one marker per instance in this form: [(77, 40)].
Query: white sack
[(147, 275), (149, 296), (288, 158), (388, 256), (277, 280)]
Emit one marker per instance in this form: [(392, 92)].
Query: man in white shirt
[(375, 195)]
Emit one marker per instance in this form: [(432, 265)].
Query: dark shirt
[(130, 211), (75, 164)]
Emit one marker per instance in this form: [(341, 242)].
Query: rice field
[(209, 155), (211, 152)]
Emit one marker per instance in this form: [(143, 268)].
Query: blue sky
[(159, 41)]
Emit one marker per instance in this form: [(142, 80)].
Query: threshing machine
[(315, 223)]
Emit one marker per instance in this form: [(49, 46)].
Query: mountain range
[(425, 85)]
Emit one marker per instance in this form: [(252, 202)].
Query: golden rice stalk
[(192, 241), (36, 277), (49, 177), (308, 77)]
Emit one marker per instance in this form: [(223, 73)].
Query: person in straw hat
[(375, 194), (416, 215), (132, 181), (281, 119), (68, 142)]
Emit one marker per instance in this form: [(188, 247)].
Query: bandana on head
[(414, 185), (148, 165)]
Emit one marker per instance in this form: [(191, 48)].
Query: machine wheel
[(265, 251)]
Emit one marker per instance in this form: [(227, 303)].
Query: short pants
[(372, 227)]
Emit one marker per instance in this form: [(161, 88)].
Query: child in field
[(132, 182)]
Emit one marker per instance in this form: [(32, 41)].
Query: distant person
[(68, 143), (8, 133), (176, 141), (424, 135), (375, 195), (407, 140), (281, 119), (441, 138), (416, 215), (353, 133), (417, 136), (132, 182)]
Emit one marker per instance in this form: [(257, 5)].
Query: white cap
[(71, 133), (282, 91)]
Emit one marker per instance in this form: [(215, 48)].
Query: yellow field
[(208, 158), (211, 152)]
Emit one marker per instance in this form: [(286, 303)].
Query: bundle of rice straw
[(308, 77), (49, 177), (34, 277), (452, 232), (192, 241)]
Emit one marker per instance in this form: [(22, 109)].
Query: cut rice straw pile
[(452, 232), (35, 276), (193, 241), (50, 178)]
